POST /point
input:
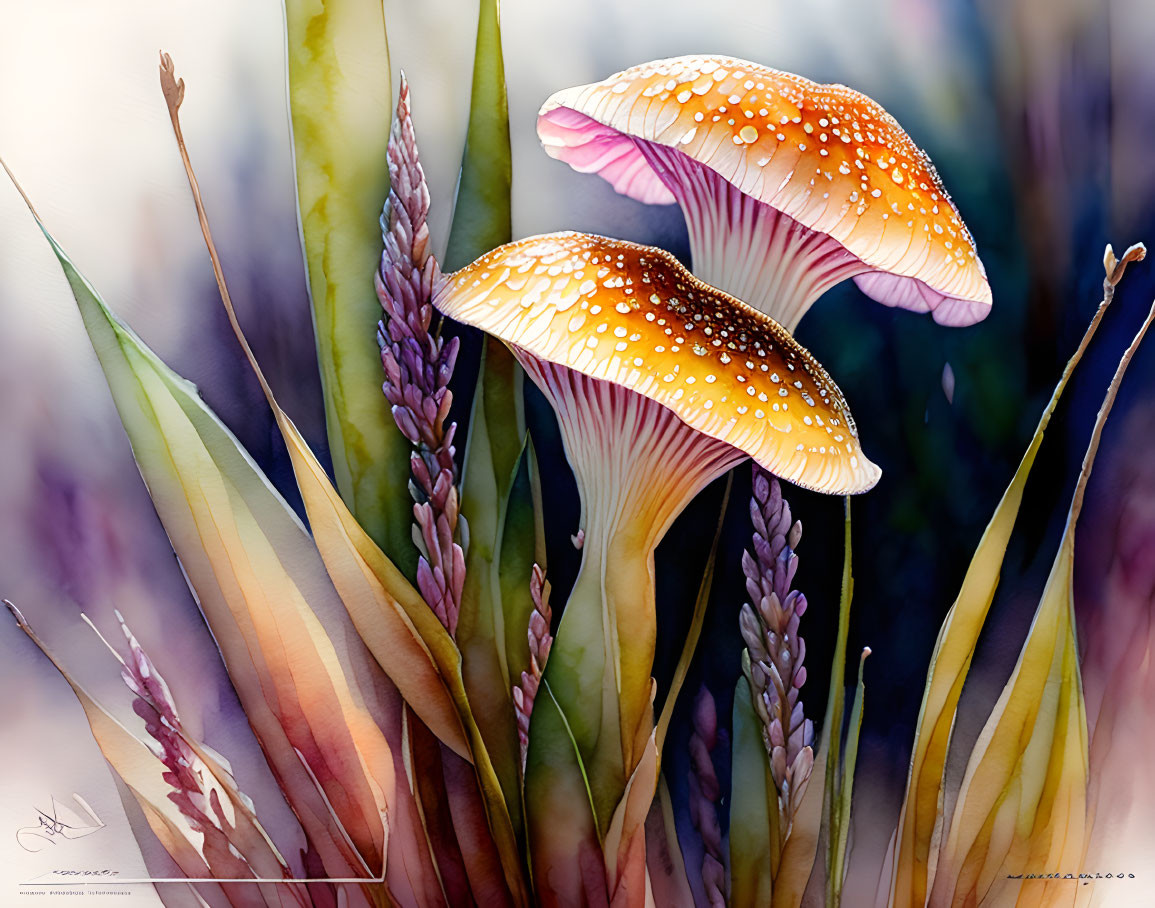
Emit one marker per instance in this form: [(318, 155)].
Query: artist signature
[(1055, 875), (58, 823)]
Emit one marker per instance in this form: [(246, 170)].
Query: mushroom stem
[(747, 248), (637, 466)]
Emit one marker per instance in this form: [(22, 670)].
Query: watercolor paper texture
[(487, 603)]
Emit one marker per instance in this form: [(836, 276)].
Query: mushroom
[(660, 384), (788, 186)]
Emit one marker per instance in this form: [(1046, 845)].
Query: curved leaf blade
[(306, 686)]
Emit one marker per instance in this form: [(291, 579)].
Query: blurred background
[(1037, 114)]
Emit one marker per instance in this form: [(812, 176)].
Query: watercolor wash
[(444, 733)]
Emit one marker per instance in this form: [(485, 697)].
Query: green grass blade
[(496, 603), (751, 806), (339, 101), (696, 622), (841, 828), (831, 742), (481, 215)]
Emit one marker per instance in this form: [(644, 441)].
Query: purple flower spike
[(769, 624), (418, 367), (207, 796), (705, 794), (540, 642)]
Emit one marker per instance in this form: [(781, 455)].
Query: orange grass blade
[(311, 690), (394, 622), (250, 855), (664, 862)]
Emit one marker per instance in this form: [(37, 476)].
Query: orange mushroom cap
[(632, 315), (826, 157)]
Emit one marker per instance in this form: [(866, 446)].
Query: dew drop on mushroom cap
[(788, 186)]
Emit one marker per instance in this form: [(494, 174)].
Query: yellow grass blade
[(919, 826), (1022, 807)]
